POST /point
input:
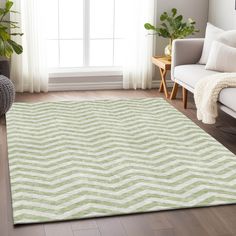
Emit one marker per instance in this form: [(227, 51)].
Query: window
[(85, 33)]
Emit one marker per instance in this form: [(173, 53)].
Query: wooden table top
[(162, 62)]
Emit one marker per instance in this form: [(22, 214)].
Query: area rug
[(73, 160)]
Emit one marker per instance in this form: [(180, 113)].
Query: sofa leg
[(185, 97), (174, 91)]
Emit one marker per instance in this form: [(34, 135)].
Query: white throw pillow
[(228, 38), (221, 58), (212, 33)]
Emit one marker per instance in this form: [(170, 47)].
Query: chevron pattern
[(72, 160)]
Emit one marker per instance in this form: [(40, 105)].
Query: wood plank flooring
[(212, 221)]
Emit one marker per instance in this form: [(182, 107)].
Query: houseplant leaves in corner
[(173, 27), (7, 45)]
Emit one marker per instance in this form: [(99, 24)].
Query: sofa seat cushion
[(190, 74), (228, 97)]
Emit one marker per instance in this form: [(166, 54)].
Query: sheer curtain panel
[(29, 70), (137, 69)]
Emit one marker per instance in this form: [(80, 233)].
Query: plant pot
[(7, 94), (168, 49), (5, 68)]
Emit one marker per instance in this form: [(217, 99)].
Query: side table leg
[(163, 79), (174, 91), (161, 87)]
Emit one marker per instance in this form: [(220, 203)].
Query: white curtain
[(29, 70), (137, 70)]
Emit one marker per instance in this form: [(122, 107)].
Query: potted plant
[(173, 27), (7, 45)]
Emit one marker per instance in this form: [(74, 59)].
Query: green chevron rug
[(72, 160)]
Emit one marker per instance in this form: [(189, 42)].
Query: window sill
[(85, 72)]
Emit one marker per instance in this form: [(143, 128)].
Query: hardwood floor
[(212, 221)]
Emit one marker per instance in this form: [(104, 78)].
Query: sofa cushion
[(228, 97), (190, 74), (221, 58), (228, 38), (212, 33)]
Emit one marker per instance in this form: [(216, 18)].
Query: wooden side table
[(164, 65)]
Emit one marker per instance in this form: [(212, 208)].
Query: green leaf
[(164, 33), (12, 26), (2, 11), (15, 34), (10, 22), (178, 24), (17, 12), (179, 18), (7, 45), (18, 49), (4, 28), (164, 16), (164, 25), (2, 48), (9, 5), (7, 50), (174, 12), (148, 26), (4, 35)]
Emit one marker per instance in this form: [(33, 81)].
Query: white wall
[(222, 13), (2, 2)]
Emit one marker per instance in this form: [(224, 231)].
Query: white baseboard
[(92, 85), (85, 86)]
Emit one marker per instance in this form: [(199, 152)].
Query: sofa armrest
[(186, 51)]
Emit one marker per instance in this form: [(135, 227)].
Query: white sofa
[(186, 72)]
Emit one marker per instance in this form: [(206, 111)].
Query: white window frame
[(86, 19), (85, 70)]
